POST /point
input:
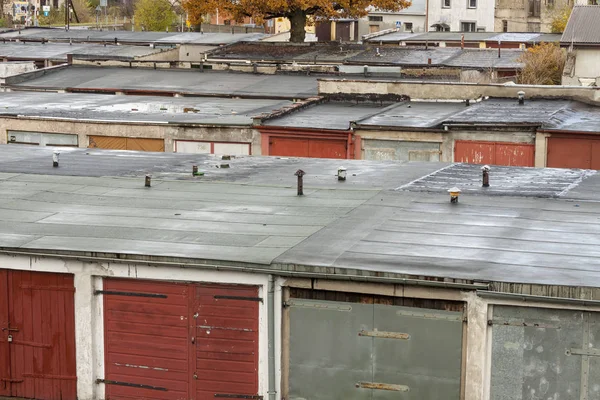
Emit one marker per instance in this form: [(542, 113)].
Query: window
[(408, 26), (550, 3), (375, 18), (504, 26), (534, 8), (445, 3), (472, 3), (467, 26)]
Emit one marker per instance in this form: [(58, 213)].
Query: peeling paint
[(141, 367)]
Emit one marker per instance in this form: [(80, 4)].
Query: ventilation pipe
[(486, 175), (521, 95), (300, 174)]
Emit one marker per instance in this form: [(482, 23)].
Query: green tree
[(154, 15)]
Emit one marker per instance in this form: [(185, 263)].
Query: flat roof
[(191, 81), (130, 109), (59, 51), (412, 114), (333, 116), (60, 35), (388, 219)]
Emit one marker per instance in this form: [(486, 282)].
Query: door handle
[(10, 329)]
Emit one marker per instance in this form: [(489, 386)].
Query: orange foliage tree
[(296, 11)]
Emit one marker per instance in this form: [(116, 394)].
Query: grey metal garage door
[(343, 350), (545, 354)]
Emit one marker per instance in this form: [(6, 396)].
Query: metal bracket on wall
[(507, 322), (238, 396), (259, 299), (382, 386), (318, 306), (135, 385), (385, 335), (132, 294)]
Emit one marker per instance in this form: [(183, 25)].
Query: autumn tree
[(297, 11), (543, 64), (154, 15), (560, 19)]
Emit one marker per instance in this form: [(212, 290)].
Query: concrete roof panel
[(413, 114)]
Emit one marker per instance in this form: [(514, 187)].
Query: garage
[(544, 354), (126, 143), (494, 153), (201, 147), (349, 346), (37, 335), (572, 151), (307, 147), (168, 340), (42, 139)]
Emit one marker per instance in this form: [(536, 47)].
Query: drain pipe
[(271, 322)]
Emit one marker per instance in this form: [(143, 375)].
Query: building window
[(534, 8), (445, 3), (472, 3), (504, 26), (592, 2), (375, 18), (408, 26), (467, 26), (550, 3)]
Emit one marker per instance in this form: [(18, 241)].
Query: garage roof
[(135, 109), (174, 81), (388, 219)]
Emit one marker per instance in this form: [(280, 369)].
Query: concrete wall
[(164, 55), (15, 68), (453, 91), (193, 53), (169, 133), (458, 12), (587, 63)]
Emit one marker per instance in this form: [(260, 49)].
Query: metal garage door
[(124, 143), (37, 336), (315, 148), (494, 153), (352, 350), (42, 139), (180, 341), (573, 152), (545, 354)]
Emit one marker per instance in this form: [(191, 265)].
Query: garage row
[(209, 335), (557, 150)]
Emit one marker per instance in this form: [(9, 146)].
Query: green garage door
[(344, 350)]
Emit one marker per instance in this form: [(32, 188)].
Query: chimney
[(486, 175), (521, 95), (300, 174)]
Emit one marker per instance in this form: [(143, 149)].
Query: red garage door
[(573, 152), (37, 336), (315, 148), (180, 341), (494, 153)]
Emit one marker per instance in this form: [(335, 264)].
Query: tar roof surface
[(389, 219), (60, 34), (178, 81), (413, 114), (576, 117), (59, 51), (469, 37), (508, 111), (333, 116), (583, 27), (128, 109)]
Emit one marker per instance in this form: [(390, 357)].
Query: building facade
[(460, 15)]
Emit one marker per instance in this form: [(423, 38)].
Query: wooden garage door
[(37, 336), (494, 153), (124, 143), (573, 152), (315, 148), (180, 341)]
